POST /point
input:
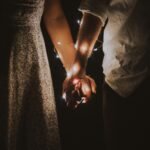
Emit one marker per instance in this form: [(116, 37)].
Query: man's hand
[(78, 87), (77, 90)]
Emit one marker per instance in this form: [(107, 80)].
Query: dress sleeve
[(95, 7)]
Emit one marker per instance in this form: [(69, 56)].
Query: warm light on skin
[(84, 48), (75, 81), (86, 90), (58, 43), (75, 68), (69, 74), (75, 46)]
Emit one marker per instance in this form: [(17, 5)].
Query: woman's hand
[(78, 90), (79, 87)]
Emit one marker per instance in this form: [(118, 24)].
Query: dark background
[(81, 128)]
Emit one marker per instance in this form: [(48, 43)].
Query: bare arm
[(89, 31), (82, 84), (59, 31)]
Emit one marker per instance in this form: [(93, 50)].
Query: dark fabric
[(127, 120)]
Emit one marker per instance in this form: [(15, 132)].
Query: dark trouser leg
[(126, 120)]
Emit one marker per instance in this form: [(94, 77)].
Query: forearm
[(59, 31), (89, 31)]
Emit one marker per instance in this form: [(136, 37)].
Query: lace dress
[(28, 118)]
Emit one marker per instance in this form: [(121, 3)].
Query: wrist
[(76, 71), (78, 67), (67, 55)]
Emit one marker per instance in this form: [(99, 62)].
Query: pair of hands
[(78, 90)]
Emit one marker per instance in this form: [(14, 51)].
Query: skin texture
[(89, 31), (73, 59), (59, 31)]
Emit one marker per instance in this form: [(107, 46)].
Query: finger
[(86, 89), (78, 85), (93, 85), (75, 81)]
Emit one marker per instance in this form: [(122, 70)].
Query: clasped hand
[(78, 90)]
